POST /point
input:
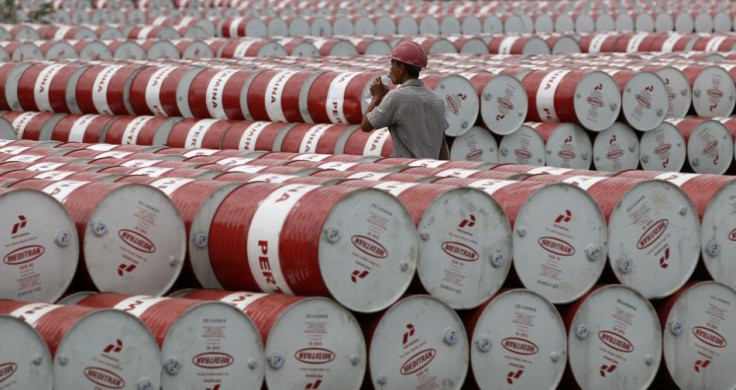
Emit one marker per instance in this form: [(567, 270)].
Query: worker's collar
[(412, 83)]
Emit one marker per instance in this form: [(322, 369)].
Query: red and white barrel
[(558, 252), (252, 47), (524, 146), (319, 138), (566, 145), (309, 342), (140, 130), (41, 249), (217, 93), (614, 340), (503, 103), (105, 89), (644, 98), (678, 90), (337, 97), (595, 43), (518, 335), (710, 145), (202, 343), (198, 133), (463, 260), (32, 125), (664, 148), (616, 148), (252, 136), (714, 93), (81, 128), (281, 96), (518, 44), (590, 99), (375, 143), (419, 340), (266, 222), (476, 144), (133, 239), (25, 357), (699, 327), (83, 341), (653, 231), (462, 103), (154, 90)]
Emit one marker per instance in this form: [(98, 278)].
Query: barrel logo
[(732, 235), (652, 234), (644, 102), (369, 246), (460, 251), (710, 147), (212, 360), (475, 155), (709, 336), (556, 246), (715, 93), (314, 355), (594, 101), (521, 153), (519, 346), (24, 255), (418, 361), (452, 104), (104, 378), (614, 154), (137, 241), (566, 154), (616, 341), (662, 149), (505, 103), (7, 370)]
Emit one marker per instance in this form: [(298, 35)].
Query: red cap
[(410, 53)]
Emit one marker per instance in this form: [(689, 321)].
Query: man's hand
[(378, 90)]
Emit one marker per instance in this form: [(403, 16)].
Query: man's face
[(395, 72)]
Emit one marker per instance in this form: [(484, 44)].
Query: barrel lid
[(95, 50), (461, 102), (129, 50), (560, 251), (703, 23), (719, 236), (197, 49), (722, 22), (614, 340), (162, 49), (27, 51), (678, 91), (111, 33), (464, 248), (407, 25), (102, 336), (710, 148), (6, 130), (564, 23), (11, 85), (429, 25), (698, 344), (663, 149), (434, 346), (597, 101), (61, 50), (377, 260), (645, 101), (713, 92), (317, 341), (212, 338), (519, 336), (503, 104), (25, 360), (277, 27), (198, 237), (474, 46), (566, 45), (298, 27), (616, 148), (134, 241), (272, 49), (476, 144), (654, 243), (569, 146), (182, 98), (524, 146), (40, 249)]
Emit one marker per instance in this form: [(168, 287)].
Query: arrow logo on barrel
[(564, 217), (513, 375), (117, 347), (216, 387), (408, 334), (467, 222), (612, 140), (19, 225), (607, 369), (358, 275), (123, 268), (701, 364), (314, 385), (664, 258)]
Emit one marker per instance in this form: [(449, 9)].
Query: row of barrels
[(609, 338), (598, 216)]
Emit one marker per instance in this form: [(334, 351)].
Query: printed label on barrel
[(506, 44), (21, 121), (312, 137), (546, 95), (242, 300), (153, 90), (215, 92), (43, 85), (455, 172), (169, 185), (597, 43), (61, 189), (233, 27), (584, 182), (676, 178), (491, 186), (394, 188), (264, 236), (133, 129), (250, 136), (137, 305), (670, 42), (241, 51), (61, 31), (274, 93), (33, 312), (334, 104), (100, 86), (76, 134), (54, 175), (376, 140), (197, 133), (151, 171)]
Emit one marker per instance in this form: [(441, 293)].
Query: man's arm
[(378, 91), (444, 149)]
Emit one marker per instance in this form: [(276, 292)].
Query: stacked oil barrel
[(218, 219)]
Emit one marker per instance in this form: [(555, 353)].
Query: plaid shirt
[(415, 117)]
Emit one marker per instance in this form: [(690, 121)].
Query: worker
[(413, 113)]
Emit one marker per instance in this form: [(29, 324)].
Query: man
[(413, 114)]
